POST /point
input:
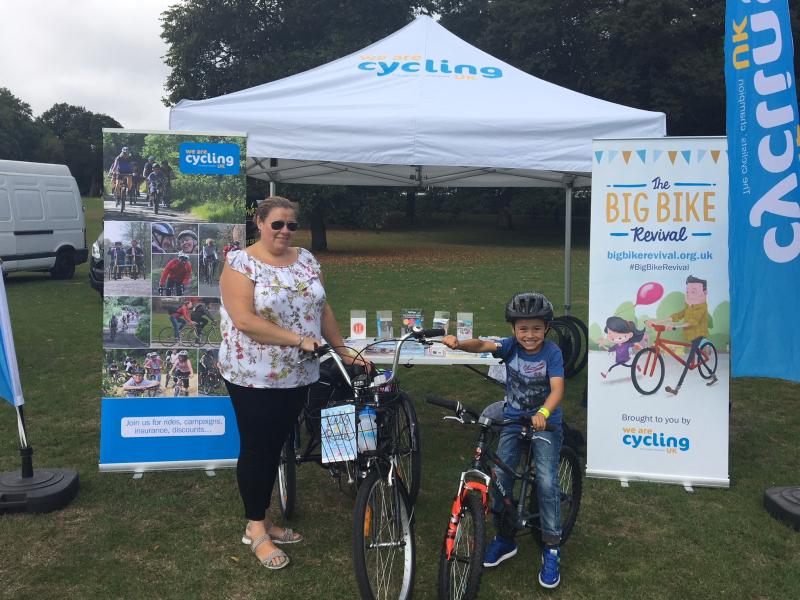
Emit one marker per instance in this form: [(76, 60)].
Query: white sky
[(104, 55)]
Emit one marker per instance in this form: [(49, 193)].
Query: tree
[(21, 138), (664, 56), (80, 132), (220, 46)]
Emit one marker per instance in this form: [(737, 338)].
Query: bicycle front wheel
[(647, 371), (707, 360), (460, 574), (287, 478), (383, 539), (407, 446)]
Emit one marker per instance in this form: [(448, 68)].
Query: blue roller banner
[(763, 141)]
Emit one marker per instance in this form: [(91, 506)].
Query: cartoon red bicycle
[(647, 369)]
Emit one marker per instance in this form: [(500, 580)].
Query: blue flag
[(764, 238)]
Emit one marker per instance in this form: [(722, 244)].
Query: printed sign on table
[(174, 207), (659, 336)]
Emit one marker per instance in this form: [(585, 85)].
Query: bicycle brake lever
[(451, 417)]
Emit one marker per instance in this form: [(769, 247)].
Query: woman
[(273, 310)]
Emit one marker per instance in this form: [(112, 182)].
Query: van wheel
[(65, 265)]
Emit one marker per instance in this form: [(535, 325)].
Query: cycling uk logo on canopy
[(384, 65), (209, 159)]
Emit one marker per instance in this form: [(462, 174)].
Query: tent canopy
[(419, 108)]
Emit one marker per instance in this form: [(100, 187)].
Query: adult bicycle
[(211, 384), (384, 549), (157, 197), (122, 192), (201, 335), (208, 267), (461, 558), (647, 368)]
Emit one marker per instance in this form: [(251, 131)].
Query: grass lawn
[(176, 534)]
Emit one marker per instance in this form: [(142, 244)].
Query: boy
[(534, 388)]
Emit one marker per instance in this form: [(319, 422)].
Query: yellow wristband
[(545, 412)]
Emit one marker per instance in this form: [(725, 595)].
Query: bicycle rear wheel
[(570, 486), (383, 539), (460, 575), (570, 343), (581, 342), (647, 371), (407, 446), (707, 360), (287, 478)]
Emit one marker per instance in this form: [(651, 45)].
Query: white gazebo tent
[(420, 108)]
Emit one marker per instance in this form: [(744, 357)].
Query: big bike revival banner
[(174, 211), (658, 289), (764, 139)]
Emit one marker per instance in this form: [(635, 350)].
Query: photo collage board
[(174, 207)]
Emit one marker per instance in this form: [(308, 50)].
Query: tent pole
[(568, 249), (25, 451), (271, 188)]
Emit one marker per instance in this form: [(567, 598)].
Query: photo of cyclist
[(121, 168), (184, 198), (144, 375), (216, 241), (187, 240), (175, 275), (127, 262), (209, 380), (163, 238), (126, 322), (181, 373)]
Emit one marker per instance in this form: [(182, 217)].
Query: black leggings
[(265, 417)]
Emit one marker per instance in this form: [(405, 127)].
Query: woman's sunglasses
[(290, 225)]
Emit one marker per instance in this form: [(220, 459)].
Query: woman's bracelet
[(545, 412), (300, 343)]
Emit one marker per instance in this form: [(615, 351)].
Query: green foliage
[(22, 138), (80, 133), (217, 47)]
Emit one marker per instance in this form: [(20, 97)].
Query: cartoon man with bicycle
[(694, 321)]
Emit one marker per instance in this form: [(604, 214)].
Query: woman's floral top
[(292, 297)]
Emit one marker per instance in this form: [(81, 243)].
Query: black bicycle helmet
[(529, 305)]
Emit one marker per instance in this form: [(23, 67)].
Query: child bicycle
[(647, 368), (461, 559), (383, 538)]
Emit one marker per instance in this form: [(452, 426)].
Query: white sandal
[(288, 536), (267, 560)]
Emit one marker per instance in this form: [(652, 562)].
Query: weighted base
[(784, 503), (46, 491)]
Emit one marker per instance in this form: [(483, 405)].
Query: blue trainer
[(550, 575), (499, 550)]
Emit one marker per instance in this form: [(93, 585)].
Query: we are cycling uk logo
[(656, 441), (384, 65), (197, 158)]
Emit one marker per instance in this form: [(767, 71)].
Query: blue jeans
[(545, 458), (177, 324)]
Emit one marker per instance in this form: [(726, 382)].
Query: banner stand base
[(45, 491), (784, 503)]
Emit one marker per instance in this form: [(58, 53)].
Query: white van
[(42, 225)]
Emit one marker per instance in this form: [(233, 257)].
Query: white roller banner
[(659, 306)]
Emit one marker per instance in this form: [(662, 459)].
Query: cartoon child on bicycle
[(694, 321), (625, 339)]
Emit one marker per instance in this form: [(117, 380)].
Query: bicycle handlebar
[(461, 409)]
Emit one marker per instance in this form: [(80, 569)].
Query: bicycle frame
[(664, 345), (476, 479)]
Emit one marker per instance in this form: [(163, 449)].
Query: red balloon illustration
[(649, 293)]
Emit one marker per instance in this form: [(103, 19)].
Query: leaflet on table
[(464, 330), (441, 319), (409, 319), (358, 324), (385, 327)]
